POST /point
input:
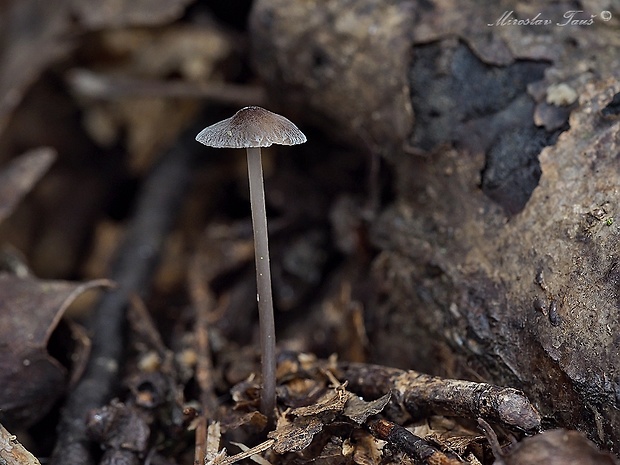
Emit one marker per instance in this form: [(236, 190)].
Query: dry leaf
[(358, 410), (331, 402), (253, 420), (296, 435), (366, 449), (30, 311)]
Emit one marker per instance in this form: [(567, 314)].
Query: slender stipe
[(263, 282), (252, 128)]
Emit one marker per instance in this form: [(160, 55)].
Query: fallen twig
[(222, 459), (414, 446), (422, 394), (133, 269), (203, 301), (99, 85)]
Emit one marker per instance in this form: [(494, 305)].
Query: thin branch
[(137, 258), (223, 460), (98, 85), (422, 394), (414, 446), (204, 303)]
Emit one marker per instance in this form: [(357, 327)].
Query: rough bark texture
[(499, 255)]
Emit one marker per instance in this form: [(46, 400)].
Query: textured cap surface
[(251, 127)]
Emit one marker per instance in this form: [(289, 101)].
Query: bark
[(498, 256), (421, 396)]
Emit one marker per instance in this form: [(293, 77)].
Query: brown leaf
[(330, 403), (296, 435), (17, 179), (332, 454), (364, 448), (358, 410), (296, 392), (30, 311), (253, 420)]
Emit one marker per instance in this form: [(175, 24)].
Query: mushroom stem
[(263, 283), (252, 128)]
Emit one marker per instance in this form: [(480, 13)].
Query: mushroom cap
[(251, 127)]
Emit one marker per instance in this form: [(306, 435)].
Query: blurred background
[(479, 242)]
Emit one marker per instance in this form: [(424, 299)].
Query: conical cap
[(251, 127)]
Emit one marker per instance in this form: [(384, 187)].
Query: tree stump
[(498, 254)]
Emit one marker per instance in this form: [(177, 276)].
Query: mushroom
[(252, 128)]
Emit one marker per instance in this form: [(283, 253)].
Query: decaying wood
[(507, 169), (421, 395), (555, 447)]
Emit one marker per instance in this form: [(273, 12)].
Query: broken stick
[(422, 395)]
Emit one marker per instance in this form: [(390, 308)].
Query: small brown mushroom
[(252, 128)]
